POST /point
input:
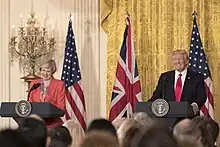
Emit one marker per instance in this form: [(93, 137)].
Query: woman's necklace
[(43, 88)]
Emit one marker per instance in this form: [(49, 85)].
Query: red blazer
[(55, 95)]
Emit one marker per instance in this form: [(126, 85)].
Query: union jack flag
[(75, 103), (127, 90), (199, 64)]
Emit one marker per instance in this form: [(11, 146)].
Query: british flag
[(199, 64), (127, 90), (75, 103)]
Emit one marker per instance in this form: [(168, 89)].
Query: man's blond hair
[(181, 51)]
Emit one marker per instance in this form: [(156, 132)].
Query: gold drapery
[(160, 26)]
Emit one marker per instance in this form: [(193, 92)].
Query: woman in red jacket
[(50, 90)]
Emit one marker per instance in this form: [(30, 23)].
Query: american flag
[(75, 103), (199, 64), (127, 90)]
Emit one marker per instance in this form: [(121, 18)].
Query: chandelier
[(32, 44)]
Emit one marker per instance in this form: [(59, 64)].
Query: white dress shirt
[(183, 77)]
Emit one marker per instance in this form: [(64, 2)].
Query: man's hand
[(195, 108)]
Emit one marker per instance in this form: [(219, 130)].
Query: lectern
[(43, 109), (177, 111)]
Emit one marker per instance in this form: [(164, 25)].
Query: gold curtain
[(160, 26)]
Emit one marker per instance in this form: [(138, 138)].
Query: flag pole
[(194, 14), (70, 16)]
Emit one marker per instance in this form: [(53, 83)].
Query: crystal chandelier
[(32, 44)]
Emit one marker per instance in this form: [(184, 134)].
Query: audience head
[(187, 133), (34, 131), (127, 131), (180, 59), (209, 129), (102, 125), (157, 135), (60, 134), (99, 138), (56, 143), (117, 122), (142, 118), (47, 69), (76, 132), (215, 129), (12, 138)]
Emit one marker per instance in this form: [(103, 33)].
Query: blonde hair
[(76, 132), (49, 64), (181, 51), (186, 131), (123, 130), (117, 122)]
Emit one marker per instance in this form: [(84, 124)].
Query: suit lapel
[(172, 80), (172, 85), (186, 85)]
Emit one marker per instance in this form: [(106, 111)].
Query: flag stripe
[(79, 92), (77, 111)]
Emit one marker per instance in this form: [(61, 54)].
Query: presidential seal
[(23, 108), (160, 107)]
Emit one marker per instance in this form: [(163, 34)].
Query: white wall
[(90, 42)]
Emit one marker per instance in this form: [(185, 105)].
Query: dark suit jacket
[(193, 90)]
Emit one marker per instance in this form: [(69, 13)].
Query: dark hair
[(12, 138), (102, 125), (34, 131), (209, 129), (131, 136), (215, 129), (61, 134), (157, 136)]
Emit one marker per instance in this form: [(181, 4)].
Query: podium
[(176, 112), (44, 109)]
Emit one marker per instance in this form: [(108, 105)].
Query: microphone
[(35, 86), (163, 88)]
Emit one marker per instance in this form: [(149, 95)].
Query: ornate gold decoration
[(160, 26), (32, 44)]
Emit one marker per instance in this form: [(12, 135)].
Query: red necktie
[(178, 89)]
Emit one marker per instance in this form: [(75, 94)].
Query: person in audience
[(99, 138), (60, 135), (33, 131), (102, 125), (215, 131), (48, 89), (157, 135), (56, 143), (12, 138), (128, 131), (76, 132), (209, 130), (117, 122), (187, 134), (143, 118)]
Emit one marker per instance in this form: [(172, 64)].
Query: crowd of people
[(138, 131)]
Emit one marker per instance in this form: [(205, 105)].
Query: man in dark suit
[(181, 84)]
